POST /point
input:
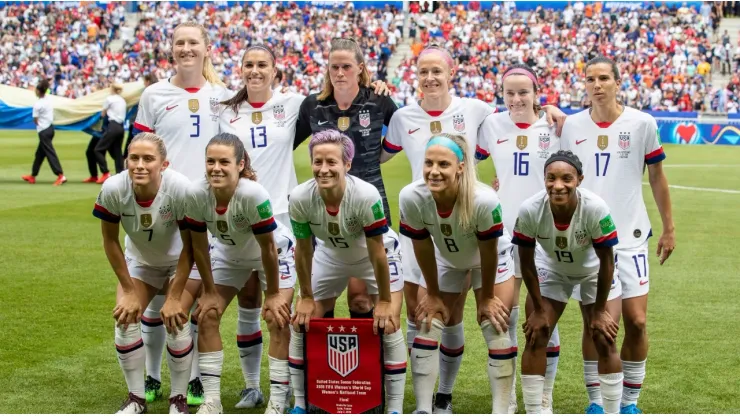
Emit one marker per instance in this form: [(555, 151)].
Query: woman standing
[(43, 116), (115, 109)]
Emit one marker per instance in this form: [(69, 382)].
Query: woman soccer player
[(346, 217), (463, 218), (149, 201), (567, 222), (184, 111), (115, 109), (615, 143), (43, 116), (348, 103), (519, 142), (237, 211)]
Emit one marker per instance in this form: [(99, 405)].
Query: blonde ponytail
[(466, 184), (209, 72)]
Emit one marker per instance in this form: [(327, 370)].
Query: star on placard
[(354, 329), (341, 329), (329, 328)]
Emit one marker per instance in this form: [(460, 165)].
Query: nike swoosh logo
[(394, 281), (313, 223), (580, 141), (423, 356), (502, 270), (426, 223), (321, 123), (644, 282), (542, 238), (233, 120), (170, 108), (245, 355), (284, 277), (413, 131), (501, 141), (128, 215)]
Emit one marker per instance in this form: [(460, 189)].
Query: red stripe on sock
[(296, 361), (425, 341), (503, 351), (250, 337), (553, 349), (593, 385), (451, 350), (395, 366), (631, 385), (126, 348), (182, 351), (151, 320)]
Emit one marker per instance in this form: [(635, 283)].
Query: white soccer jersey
[(566, 248), (454, 247), (115, 108), (411, 127), (249, 213), (152, 235), (614, 160), (340, 236), (519, 153), (267, 133), (43, 112), (186, 119)]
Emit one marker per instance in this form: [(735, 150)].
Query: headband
[(441, 52), (448, 143), (522, 71), (264, 48), (566, 159)]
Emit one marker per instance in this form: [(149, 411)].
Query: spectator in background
[(114, 109), (149, 79), (43, 116)]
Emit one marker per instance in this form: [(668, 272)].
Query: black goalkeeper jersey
[(363, 122)]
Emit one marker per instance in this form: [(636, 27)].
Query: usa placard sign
[(344, 367)]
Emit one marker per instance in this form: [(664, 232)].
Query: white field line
[(693, 188), (699, 166)]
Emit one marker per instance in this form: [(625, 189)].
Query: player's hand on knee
[(428, 307), (537, 328), (173, 317), (304, 310), (383, 318), (603, 323), (495, 311), (278, 307), (208, 301), (127, 310)]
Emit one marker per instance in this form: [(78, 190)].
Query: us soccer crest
[(343, 353), (435, 127), (624, 140), (240, 222), (222, 226), (165, 213), (343, 123), (213, 101), (561, 242), (446, 229), (458, 122), (278, 112), (365, 118), (353, 225), (603, 142), (521, 142), (581, 238), (544, 141), (146, 220), (193, 105), (333, 228)]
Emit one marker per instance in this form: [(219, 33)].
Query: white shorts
[(235, 273), (517, 262), (194, 273), (559, 287), (329, 279), (154, 276), (634, 270), (411, 270), (452, 280)]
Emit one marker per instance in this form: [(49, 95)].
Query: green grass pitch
[(57, 295)]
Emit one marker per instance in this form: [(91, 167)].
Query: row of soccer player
[(347, 104)]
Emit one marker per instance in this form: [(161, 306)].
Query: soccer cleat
[(250, 398), (92, 179), (210, 407), (28, 178), (594, 409), (630, 410), (298, 411), (103, 178), (60, 180), (546, 405), (134, 405), (195, 392), (179, 405), (152, 389), (442, 404), (274, 409)]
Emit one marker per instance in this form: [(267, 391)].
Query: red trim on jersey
[(434, 113), (444, 214), (655, 156), (192, 90), (377, 224), (390, 147), (482, 152), (496, 229), (332, 213), (221, 211), (603, 124), (523, 126), (145, 204), (606, 237), (523, 237), (104, 211), (194, 222), (143, 128), (562, 227), (256, 105)]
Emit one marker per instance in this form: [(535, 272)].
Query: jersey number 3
[(196, 124)]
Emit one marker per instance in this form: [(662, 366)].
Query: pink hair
[(520, 71), (443, 53), (333, 137)]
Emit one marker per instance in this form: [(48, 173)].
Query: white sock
[(210, 374), (450, 358), (611, 392), (513, 334), (425, 364), (279, 383), (553, 356), (297, 368), (154, 335), (411, 332), (195, 370), (394, 357), (131, 357), (634, 375), (532, 388), (180, 360), (591, 378), (249, 342), (501, 368)]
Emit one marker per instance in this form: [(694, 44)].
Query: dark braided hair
[(568, 157)]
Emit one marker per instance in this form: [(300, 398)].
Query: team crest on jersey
[(581, 238), (435, 127), (240, 222), (353, 225), (222, 226), (458, 122), (193, 105), (257, 117), (561, 242), (544, 141), (343, 353), (343, 123), (278, 112), (446, 229), (624, 140), (521, 142), (602, 141), (333, 228), (146, 220), (541, 275), (365, 118), (213, 101), (165, 214)]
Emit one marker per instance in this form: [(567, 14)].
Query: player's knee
[(635, 323), (360, 303), (603, 347), (249, 300), (209, 322)]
